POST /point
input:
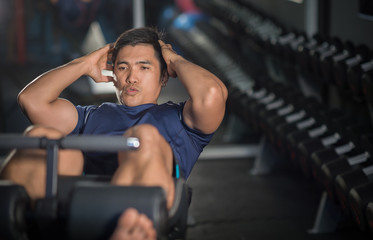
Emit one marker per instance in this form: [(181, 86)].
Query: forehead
[(139, 52)]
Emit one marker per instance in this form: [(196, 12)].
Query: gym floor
[(230, 203)]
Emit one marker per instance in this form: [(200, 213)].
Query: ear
[(164, 78)]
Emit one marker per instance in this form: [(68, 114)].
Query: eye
[(144, 67), (121, 68)]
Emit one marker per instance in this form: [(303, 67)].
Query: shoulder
[(107, 106), (89, 111), (171, 105), (169, 108), (96, 107)]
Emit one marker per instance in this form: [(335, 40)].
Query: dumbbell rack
[(332, 84)]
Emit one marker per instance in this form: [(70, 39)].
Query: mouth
[(131, 90)]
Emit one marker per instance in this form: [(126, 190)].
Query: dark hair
[(145, 35)]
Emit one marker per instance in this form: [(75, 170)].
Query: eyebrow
[(138, 62)]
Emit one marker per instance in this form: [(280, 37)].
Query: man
[(171, 135)]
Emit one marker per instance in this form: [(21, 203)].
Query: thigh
[(152, 144)]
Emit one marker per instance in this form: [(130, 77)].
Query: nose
[(131, 77)]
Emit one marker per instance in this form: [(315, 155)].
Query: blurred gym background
[(247, 43)]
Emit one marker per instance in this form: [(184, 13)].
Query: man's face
[(138, 75)]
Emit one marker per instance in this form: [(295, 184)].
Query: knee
[(152, 145), (70, 161), (148, 134), (43, 131)]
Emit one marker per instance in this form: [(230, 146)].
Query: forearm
[(205, 109), (46, 88), (201, 85)]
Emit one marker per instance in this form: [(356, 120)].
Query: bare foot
[(133, 225)]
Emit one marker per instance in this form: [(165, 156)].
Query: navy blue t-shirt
[(114, 119)]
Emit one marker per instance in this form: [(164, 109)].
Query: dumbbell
[(351, 147), (282, 126), (367, 86), (282, 131), (278, 129), (351, 172), (303, 51), (345, 148), (345, 181), (369, 216), (315, 56), (335, 53), (317, 130), (290, 49), (340, 68), (254, 107), (245, 99), (344, 164), (354, 78), (308, 147), (248, 98), (280, 43), (286, 46), (359, 198), (279, 109)]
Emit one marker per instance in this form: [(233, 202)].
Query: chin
[(129, 103)]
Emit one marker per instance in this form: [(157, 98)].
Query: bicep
[(60, 114), (205, 118)]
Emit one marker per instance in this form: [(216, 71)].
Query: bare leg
[(150, 165), (27, 167)]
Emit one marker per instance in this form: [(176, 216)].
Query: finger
[(105, 48), (110, 52), (161, 43)]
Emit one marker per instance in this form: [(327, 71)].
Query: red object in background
[(187, 6)]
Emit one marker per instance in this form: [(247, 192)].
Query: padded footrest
[(96, 206)]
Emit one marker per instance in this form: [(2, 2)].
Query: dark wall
[(340, 18), (347, 23), (290, 14)]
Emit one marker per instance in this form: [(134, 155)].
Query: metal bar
[(84, 143), (18, 141), (52, 146), (52, 169), (138, 13), (100, 143)]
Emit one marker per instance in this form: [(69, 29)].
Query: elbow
[(220, 93), (22, 100), (216, 95), (27, 103), (224, 91)]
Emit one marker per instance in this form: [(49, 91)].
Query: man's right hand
[(99, 60)]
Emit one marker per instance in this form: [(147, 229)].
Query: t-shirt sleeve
[(200, 139), (83, 114)]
